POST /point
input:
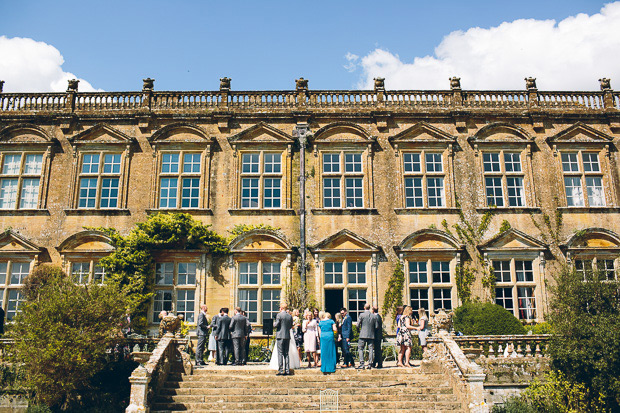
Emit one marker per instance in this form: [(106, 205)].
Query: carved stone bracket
[(382, 119), (66, 123), (223, 120)]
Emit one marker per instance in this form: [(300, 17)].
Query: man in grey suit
[(283, 325), (366, 326), (378, 360), (213, 330), (202, 328), (222, 335), (239, 326)]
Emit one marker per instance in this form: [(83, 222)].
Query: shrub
[(515, 405), (485, 319), (541, 328), (555, 393)]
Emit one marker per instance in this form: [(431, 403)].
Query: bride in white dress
[(293, 355)]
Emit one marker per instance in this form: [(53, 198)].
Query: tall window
[(179, 180), (20, 180), (514, 280), (12, 276), (424, 180), (430, 285), (261, 180), (582, 176), (99, 180), (343, 180), (604, 267), (175, 287), (259, 289), (503, 179), (349, 276), (88, 272)]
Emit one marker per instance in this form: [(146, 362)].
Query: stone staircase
[(256, 389)]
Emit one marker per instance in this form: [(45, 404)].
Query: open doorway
[(333, 301)]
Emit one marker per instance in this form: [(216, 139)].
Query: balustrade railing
[(260, 99), (32, 101), (184, 100), (108, 100), (342, 98), (571, 100), (412, 98), (503, 346), (616, 100), (495, 99)]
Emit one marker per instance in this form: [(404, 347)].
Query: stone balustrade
[(503, 346)]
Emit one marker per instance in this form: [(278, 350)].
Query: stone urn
[(442, 321), (171, 324)]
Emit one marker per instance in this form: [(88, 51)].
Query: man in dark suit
[(347, 335), (378, 359), (247, 338), (214, 329), (223, 337), (239, 326), (366, 327), (283, 325), (202, 330)]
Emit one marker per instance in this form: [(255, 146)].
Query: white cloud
[(570, 55), (352, 61), (30, 66)]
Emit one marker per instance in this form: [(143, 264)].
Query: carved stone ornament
[(171, 324), (301, 84), (73, 85), (147, 84), (225, 84), (379, 83), (455, 82), (605, 83), (530, 83), (442, 321)]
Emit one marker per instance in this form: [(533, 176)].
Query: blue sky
[(189, 45)]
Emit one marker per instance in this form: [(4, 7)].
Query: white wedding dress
[(293, 355)]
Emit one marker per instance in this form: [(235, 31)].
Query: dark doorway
[(333, 301)]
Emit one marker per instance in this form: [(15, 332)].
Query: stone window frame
[(261, 175), (85, 247), (345, 285), (582, 174), (504, 175), (504, 137), (343, 176), (100, 176), (259, 287), (166, 141), (180, 175), (577, 249), (26, 139), (104, 140), (425, 138)]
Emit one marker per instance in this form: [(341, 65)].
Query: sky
[(337, 44)]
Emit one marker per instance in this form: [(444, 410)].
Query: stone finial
[(530, 83), (224, 84), (379, 84), (1, 85), (73, 85), (455, 82), (147, 84), (301, 84), (605, 83)]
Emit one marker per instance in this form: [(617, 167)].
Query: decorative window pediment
[(501, 133), (580, 134), (87, 241), (13, 243), (181, 134), (511, 240), (345, 241), (594, 249), (421, 135), (261, 134), (25, 134), (346, 133), (593, 239), (101, 134), (428, 240), (261, 240)]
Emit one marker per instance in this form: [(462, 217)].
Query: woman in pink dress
[(309, 328)]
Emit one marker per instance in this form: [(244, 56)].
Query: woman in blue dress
[(328, 344)]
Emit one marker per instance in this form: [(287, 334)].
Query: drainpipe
[(301, 132)]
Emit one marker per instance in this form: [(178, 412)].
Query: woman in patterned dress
[(404, 339)]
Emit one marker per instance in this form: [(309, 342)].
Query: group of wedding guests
[(229, 336), (406, 328)]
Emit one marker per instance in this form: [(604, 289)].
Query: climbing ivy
[(393, 297), (504, 227), (243, 228)]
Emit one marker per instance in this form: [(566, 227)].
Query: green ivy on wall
[(393, 297)]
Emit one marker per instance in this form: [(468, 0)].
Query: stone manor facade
[(504, 185)]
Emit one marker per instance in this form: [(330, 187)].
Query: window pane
[(186, 304), (14, 303), (3, 267), (356, 272), (574, 192), (441, 271), (411, 162), (99, 276), (502, 271), (248, 301), (90, 163), (30, 194), (19, 272), (433, 162), (353, 162), (515, 192), (168, 193), (503, 297), (8, 193), (607, 269), (442, 298), (590, 162), (512, 162), (249, 193), (435, 192), (413, 193), (112, 163), (527, 303), (109, 192), (271, 303), (596, 196), (11, 164), (187, 273), (250, 163), (34, 163), (569, 162), (271, 272), (356, 302), (273, 163), (88, 193), (495, 196), (419, 298), (331, 163), (491, 162), (273, 192), (524, 271), (355, 198), (333, 273), (331, 193), (170, 163), (164, 273), (161, 302), (418, 272), (584, 268), (248, 273), (190, 194), (80, 272), (191, 163)]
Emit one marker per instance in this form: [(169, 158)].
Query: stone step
[(261, 370), (338, 375), (352, 406), (299, 398), (216, 410), (397, 389), (295, 384)]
